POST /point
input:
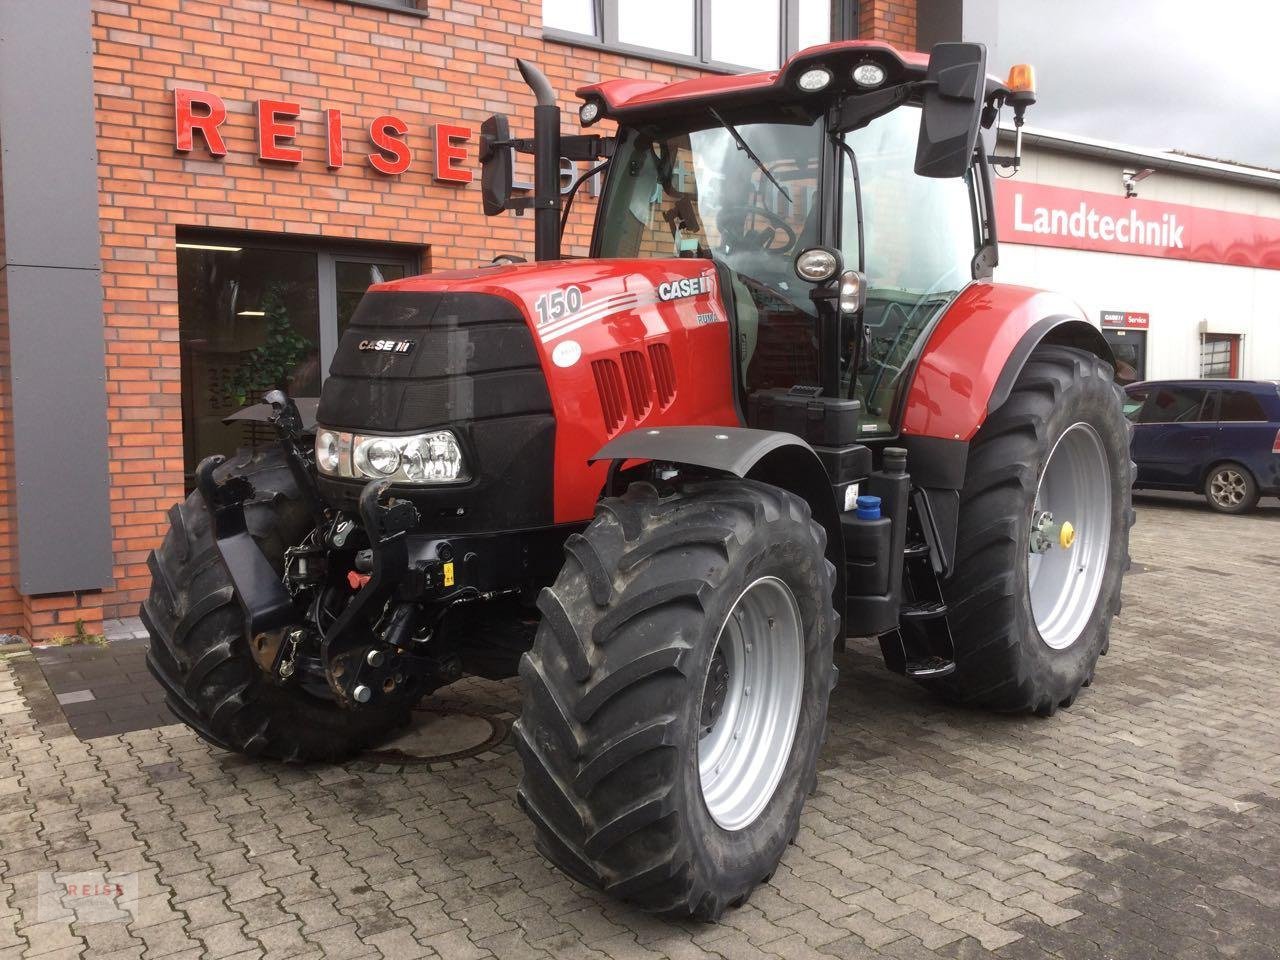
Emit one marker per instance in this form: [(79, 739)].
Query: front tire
[(199, 651), (1230, 488), (1031, 606), (635, 692)]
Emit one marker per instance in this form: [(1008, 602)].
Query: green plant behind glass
[(269, 366)]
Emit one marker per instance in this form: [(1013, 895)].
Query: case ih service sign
[(1080, 220)]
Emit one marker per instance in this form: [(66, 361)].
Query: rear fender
[(967, 370), (978, 347), (780, 459)]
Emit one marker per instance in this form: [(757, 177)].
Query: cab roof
[(638, 100)]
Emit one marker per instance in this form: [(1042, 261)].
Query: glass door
[(344, 278), (256, 316)]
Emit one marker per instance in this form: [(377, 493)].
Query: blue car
[(1219, 437)]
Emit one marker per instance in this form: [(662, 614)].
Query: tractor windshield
[(698, 193)]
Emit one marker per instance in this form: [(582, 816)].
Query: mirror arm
[(856, 112)]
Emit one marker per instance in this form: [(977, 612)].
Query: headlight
[(432, 457), (377, 456), (327, 451)]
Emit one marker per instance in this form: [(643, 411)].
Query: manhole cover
[(436, 735)]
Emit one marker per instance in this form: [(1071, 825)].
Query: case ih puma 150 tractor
[(782, 403)]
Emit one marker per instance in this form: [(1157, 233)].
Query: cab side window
[(1176, 405)]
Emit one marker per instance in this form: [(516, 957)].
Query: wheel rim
[(1066, 565), (750, 703), (1228, 487)]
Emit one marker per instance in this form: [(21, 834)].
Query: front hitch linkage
[(361, 660)]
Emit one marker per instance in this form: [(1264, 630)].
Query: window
[(416, 8), (254, 315), (1220, 355), (1133, 401), (1240, 406), (723, 34), (918, 233), (665, 25), (748, 32), (1176, 405)]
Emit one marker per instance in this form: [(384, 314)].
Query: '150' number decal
[(558, 304)]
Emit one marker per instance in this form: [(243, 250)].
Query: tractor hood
[(533, 363)]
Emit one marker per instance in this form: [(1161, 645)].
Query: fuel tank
[(534, 367)]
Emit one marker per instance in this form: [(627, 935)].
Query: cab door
[(1173, 436)]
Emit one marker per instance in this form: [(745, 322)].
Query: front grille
[(473, 358)]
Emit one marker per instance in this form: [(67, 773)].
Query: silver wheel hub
[(1070, 536), (1228, 487), (751, 703)]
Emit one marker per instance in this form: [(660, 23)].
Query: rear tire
[(199, 651), (614, 716), (1003, 662), (1230, 488)]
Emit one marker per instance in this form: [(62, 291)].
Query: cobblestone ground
[(1143, 822)]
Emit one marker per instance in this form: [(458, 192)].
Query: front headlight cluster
[(421, 458)]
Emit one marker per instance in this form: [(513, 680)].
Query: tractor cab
[(854, 167)]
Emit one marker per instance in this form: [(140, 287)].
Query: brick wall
[(456, 66), (891, 20)]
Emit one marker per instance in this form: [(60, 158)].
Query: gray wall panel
[(59, 429), (52, 244), (46, 118)]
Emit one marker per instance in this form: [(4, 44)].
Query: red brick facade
[(455, 66), (891, 20)]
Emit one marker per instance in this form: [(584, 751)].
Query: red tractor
[(781, 404)]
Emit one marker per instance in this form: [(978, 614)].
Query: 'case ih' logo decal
[(688, 287), (385, 346)]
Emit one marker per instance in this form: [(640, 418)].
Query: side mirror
[(952, 109), (496, 164)]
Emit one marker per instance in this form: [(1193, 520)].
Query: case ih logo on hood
[(689, 287), (385, 346)]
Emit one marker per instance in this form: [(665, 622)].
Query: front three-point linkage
[(368, 652)]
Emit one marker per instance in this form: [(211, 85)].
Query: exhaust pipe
[(546, 164)]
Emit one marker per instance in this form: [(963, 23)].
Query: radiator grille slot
[(639, 383), (664, 373), (613, 398)]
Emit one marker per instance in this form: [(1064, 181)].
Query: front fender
[(977, 349), (780, 459)]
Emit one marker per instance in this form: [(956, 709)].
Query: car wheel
[(1230, 488)]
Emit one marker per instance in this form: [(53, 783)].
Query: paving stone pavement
[(1144, 822), (105, 688)]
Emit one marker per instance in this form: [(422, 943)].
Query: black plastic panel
[(474, 369), (472, 357)]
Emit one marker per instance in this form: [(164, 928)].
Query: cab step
[(930, 669), (922, 610), (914, 551)]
